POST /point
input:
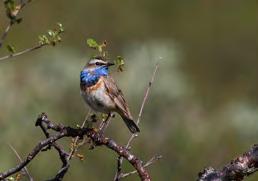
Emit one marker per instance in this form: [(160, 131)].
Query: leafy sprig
[(12, 9), (52, 37), (100, 47), (119, 62), (11, 48)]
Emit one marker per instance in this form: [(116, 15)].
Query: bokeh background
[(203, 107)]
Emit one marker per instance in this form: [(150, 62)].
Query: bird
[(100, 91)]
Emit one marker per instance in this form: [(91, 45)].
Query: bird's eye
[(97, 63)]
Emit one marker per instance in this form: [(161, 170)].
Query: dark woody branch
[(62, 131), (31, 155), (19, 158), (45, 124), (237, 169)]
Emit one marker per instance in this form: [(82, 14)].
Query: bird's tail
[(131, 125)]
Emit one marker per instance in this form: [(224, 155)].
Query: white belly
[(98, 100)]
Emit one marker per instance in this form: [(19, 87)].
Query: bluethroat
[(101, 93)]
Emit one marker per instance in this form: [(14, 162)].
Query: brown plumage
[(121, 106), (101, 93)]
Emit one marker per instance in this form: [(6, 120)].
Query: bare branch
[(148, 163), (19, 158), (62, 131), (63, 155), (22, 52), (146, 94), (237, 169), (31, 155), (143, 103)]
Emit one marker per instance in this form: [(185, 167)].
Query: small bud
[(80, 156)]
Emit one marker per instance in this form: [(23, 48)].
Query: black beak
[(110, 64)]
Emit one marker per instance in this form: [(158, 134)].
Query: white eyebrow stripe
[(94, 61)]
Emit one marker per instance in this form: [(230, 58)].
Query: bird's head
[(93, 70), (98, 63)]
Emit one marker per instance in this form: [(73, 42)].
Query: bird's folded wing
[(116, 95)]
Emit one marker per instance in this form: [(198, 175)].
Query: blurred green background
[(203, 107)]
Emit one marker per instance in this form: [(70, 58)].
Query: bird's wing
[(117, 96)]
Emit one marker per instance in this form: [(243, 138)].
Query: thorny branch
[(119, 173), (237, 169), (62, 131)]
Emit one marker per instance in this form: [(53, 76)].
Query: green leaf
[(120, 63), (51, 33), (11, 48), (9, 5), (43, 40), (58, 38), (52, 37), (60, 26), (120, 60), (92, 43), (11, 179)]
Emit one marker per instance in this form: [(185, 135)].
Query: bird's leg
[(102, 127), (89, 122), (104, 124), (93, 118)]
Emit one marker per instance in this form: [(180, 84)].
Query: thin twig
[(11, 22), (19, 158), (143, 102), (105, 123), (146, 94), (22, 52), (74, 147), (4, 35), (148, 163)]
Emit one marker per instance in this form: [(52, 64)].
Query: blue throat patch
[(90, 78)]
